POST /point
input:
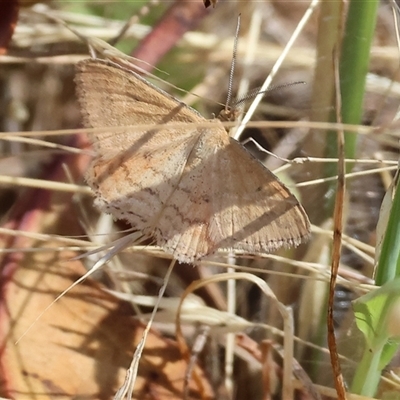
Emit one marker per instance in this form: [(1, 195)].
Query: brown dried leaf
[(83, 344)]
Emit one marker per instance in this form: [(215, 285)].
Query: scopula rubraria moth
[(194, 190)]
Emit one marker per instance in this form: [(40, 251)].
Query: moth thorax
[(228, 114)]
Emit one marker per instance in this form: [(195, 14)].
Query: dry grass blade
[(337, 243)]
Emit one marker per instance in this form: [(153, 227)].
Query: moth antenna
[(254, 92), (233, 63)]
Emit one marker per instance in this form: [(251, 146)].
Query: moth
[(193, 190)]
